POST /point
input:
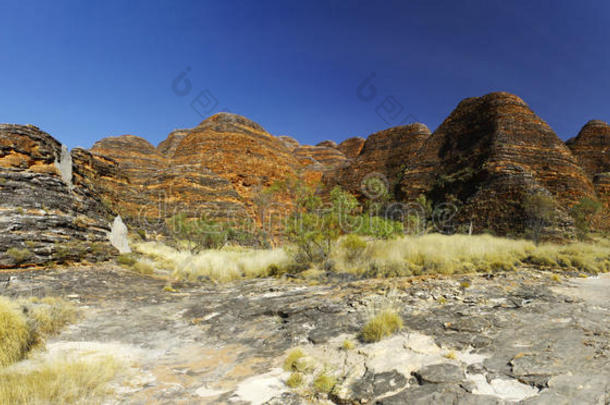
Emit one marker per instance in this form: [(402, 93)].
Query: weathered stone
[(330, 158), (384, 154), (328, 144), (486, 156), (238, 150), (170, 144), (137, 158), (45, 215), (374, 385), (289, 142), (592, 147), (351, 147), (440, 373)]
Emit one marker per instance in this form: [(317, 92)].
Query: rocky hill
[(385, 153), (592, 149), (486, 156)]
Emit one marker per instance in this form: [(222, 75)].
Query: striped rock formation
[(487, 155), (46, 212), (384, 154), (168, 147), (352, 147)]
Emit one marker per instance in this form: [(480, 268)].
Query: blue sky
[(85, 70)]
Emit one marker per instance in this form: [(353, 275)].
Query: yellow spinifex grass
[(26, 322), (385, 323), (450, 254), (59, 382), (226, 264), (14, 332)]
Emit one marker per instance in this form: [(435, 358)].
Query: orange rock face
[(386, 154), (329, 158), (137, 158), (169, 145), (486, 155), (289, 142), (351, 147), (239, 151), (328, 144)]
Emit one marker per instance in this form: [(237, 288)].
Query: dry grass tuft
[(385, 323), (14, 333), (324, 383), (25, 323), (295, 380), (59, 382), (294, 360), (348, 345)]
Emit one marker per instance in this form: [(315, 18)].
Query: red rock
[(486, 155), (137, 158), (289, 142), (351, 147), (169, 145), (385, 154), (238, 150), (328, 144)]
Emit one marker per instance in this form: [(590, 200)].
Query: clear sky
[(83, 70)]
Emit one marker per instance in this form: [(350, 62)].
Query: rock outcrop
[(169, 145), (47, 213), (592, 147), (189, 189), (486, 156), (239, 151), (137, 158), (352, 147), (385, 154), (289, 141), (328, 144), (329, 158)]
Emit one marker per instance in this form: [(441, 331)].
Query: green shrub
[(19, 255), (584, 213), (348, 345), (385, 323)]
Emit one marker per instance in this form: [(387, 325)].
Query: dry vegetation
[(405, 256), (226, 264), (435, 253), (385, 323), (59, 382), (24, 326), (25, 323)]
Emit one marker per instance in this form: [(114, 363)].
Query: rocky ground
[(519, 337)]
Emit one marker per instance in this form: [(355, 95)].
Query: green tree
[(539, 209), (584, 213)]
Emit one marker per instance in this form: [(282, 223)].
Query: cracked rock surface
[(508, 338)]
